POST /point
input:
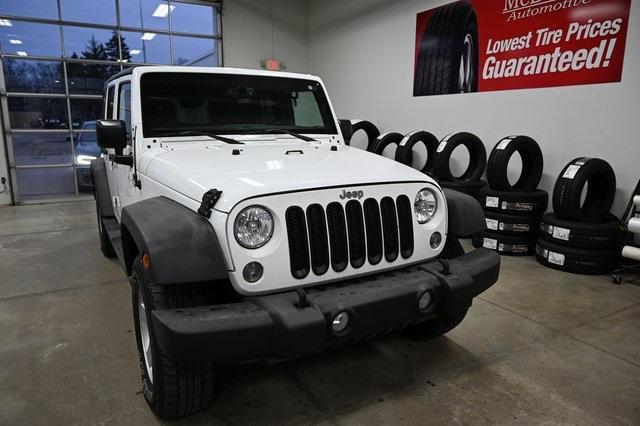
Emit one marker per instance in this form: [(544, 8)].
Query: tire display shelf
[(630, 261)]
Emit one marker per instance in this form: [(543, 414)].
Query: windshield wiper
[(288, 132), (202, 133)]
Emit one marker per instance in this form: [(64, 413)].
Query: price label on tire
[(492, 224), (490, 243), (571, 171), (492, 202), (556, 258), (561, 233)]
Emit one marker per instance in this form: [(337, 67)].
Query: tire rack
[(631, 251)]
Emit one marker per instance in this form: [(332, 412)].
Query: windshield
[(232, 104)]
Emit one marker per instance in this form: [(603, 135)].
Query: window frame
[(121, 85), (110, 102)]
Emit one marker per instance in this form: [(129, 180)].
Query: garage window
[(56, 57)]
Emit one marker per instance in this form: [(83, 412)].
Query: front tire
[(172, 389)]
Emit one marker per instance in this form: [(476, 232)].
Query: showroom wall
[(364, 51), (255, 30)]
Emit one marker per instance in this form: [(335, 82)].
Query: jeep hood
[(244, 171)]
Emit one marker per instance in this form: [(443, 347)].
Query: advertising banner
[(487, 45)]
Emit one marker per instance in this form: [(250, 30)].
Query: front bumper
[(273, 326)]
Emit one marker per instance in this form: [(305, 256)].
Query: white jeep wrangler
[(251, 231)]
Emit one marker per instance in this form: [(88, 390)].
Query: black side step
[(112, 227)]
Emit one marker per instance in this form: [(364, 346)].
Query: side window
[(305, 110), (109, 105), (124, 105)]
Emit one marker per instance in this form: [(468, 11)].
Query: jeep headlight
[(253, 227), (425, 205)]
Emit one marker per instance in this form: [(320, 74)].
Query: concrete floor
[(541, 346)]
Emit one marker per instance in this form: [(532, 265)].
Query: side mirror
[(111, 134), (346, 129)]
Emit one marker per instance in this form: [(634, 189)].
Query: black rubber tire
[(105, 242), (368, 127), (532, 163), (437, 68), (579, 261), (436, 327), (609, 235), (404, 154), (601, 190), (384, 140), (511, 224), (452, 248), (510, 245), (469, 188), (520, 203), (178, 388), (477, 157)]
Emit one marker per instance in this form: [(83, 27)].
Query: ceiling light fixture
[(162, 11), (148, 36), (15, 41), (21, 53), (5, 23), (134, 52)]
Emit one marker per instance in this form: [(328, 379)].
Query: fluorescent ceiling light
[(15, 41), (163, 10), (148, 36), (21, 53), (5, 23), (134, 52)]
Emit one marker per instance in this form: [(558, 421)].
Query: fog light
[(424, 301), (340, 322), (436, 239), (252, 272)]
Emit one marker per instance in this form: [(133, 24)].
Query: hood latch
[(209, 200)]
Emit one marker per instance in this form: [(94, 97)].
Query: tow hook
[(302, 299), (446, 270)]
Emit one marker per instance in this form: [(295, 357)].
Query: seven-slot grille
[(336, 236)]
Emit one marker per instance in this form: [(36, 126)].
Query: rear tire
[(172, 389), (435, 327)]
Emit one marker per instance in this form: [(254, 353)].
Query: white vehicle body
[(275, 171)]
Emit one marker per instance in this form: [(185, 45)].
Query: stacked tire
[(469, 182), (368, 128), (513, 211), (581, 236)]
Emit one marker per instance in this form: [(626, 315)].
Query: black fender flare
[(465, 215), (101, 188), (181, 244)]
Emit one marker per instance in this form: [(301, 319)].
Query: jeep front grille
[(354, 234)]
